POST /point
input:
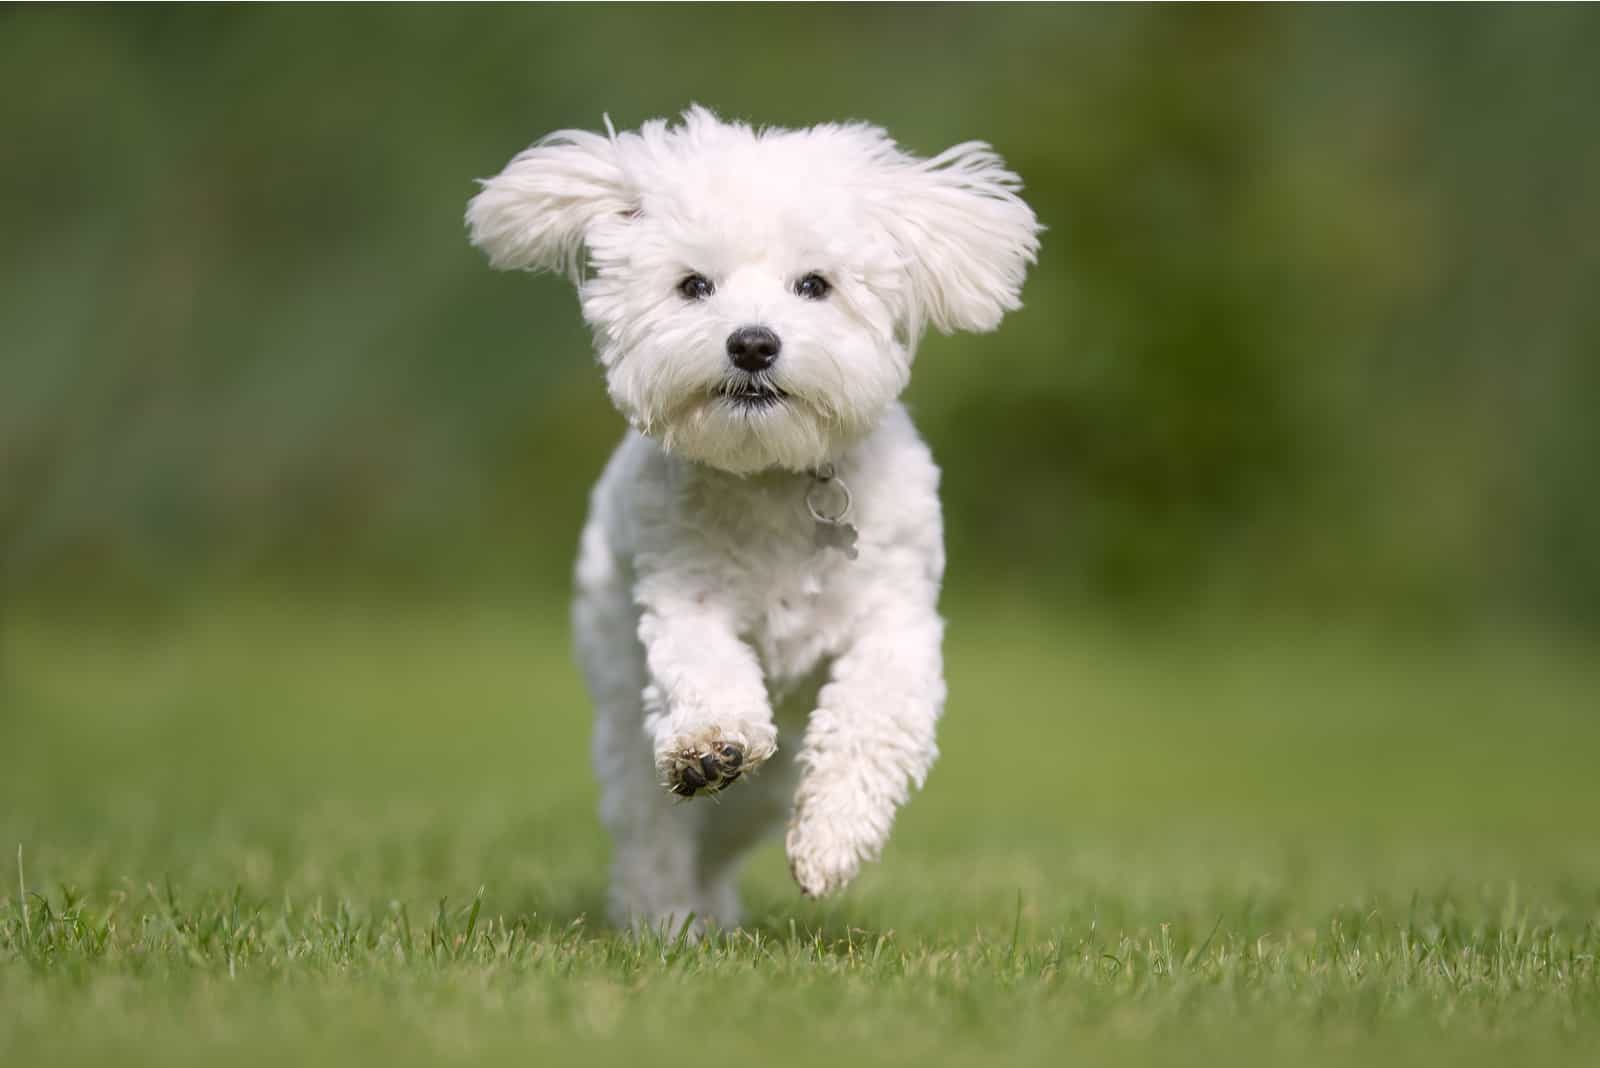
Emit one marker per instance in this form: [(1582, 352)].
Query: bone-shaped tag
[(841, 536)]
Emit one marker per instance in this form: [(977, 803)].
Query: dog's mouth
[(751, 394)]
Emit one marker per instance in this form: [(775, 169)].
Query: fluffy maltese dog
[(758, 581)]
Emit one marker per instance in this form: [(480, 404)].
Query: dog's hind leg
[(658, 880), (670, 867)]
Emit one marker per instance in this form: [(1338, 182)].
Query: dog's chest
[(800, 621), (794, 595)]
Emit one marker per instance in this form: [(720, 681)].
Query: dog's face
[(756, 296)]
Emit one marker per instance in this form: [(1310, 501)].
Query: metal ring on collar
[(816, 513)]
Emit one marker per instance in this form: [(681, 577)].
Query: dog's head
[(756, 295)]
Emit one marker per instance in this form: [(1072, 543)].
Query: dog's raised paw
[(705, 769)]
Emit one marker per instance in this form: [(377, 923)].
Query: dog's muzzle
[(751, 393)]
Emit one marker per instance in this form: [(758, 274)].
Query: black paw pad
[(706, 771)]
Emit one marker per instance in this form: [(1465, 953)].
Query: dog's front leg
[(870, 740), (706, 707)]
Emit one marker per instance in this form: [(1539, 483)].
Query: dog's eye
[(812, 287), (696, 287)]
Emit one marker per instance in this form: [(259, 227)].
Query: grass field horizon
[(325, 830)]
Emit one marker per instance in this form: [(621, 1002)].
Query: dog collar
[(828, 500)]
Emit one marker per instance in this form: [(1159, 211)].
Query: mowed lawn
[(311, 831)]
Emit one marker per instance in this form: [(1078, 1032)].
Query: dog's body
[(742, 615), (759, 576)]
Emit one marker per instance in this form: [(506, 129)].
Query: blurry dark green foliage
[(1314, 328)]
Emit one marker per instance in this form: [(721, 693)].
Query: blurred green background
[(1313, 333)]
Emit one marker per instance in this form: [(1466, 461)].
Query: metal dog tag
[(841, 536), (833, 530)]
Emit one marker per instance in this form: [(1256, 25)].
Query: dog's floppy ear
[(966, 236), (533, 215)]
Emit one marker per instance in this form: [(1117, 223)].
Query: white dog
[(759, 576)]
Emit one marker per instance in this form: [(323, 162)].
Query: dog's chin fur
[(744, 435), (704, 600), (744, 439)]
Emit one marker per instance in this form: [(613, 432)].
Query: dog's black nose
[(753, 348)]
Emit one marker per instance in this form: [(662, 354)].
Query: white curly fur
[(706, 614)]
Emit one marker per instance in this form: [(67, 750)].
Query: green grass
[(314, 832)]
